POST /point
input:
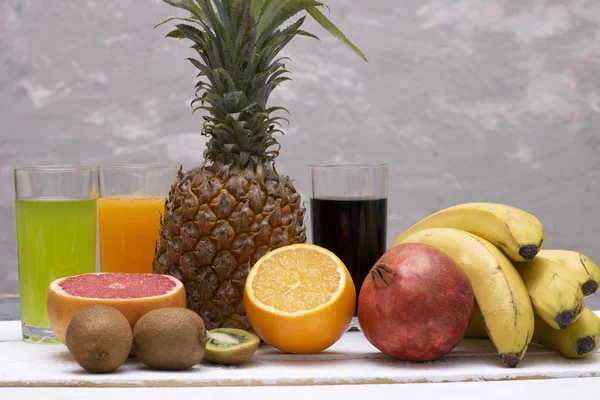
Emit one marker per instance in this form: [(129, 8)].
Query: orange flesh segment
[(296, 280)]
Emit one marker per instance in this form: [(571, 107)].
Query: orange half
[(299, 298)]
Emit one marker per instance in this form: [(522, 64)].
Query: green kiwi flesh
[(230, 346)]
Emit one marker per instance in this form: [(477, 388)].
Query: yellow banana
[(583, 269), (578, 340), (518, 234), (556, 296), (498, 288)]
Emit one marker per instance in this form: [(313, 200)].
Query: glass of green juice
[(55, 209)]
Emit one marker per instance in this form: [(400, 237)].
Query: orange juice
[(128, 230)]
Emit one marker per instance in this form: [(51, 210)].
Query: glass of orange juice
[(131, 202)]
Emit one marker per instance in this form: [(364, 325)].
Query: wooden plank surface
[(353, 360), (543, 389)]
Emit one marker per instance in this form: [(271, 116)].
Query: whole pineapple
[(221, 217)]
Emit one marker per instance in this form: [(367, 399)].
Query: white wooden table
[(352, 368)]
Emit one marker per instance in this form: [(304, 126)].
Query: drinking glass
[(132, 199), (349, 214), (55, 209)]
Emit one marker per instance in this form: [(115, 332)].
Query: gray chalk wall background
[(467, 100)]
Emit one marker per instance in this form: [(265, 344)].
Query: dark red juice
[(353, 229)]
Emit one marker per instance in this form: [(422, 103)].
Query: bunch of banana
[(522, 293), (578, 340)]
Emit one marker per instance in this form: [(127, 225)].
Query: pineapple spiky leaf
[(273, 109), (176, 34), (238, 42), (331, 28), (174, 19), (307, 34), (188, 5), (277, 13), (257, 7), (192, 33)]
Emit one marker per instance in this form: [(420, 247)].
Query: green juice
[(55, 238)]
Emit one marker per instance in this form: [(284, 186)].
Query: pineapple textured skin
[(219, 220)]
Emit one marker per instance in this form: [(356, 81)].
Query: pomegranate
[(416, 303)]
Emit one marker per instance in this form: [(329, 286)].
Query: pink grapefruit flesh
[(117, 285)]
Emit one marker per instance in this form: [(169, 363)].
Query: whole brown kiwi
[(170, 338), (99, 338)]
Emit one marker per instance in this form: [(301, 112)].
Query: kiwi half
[(230, 346)]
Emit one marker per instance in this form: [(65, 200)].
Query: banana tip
[(585, 345), (510, 360), (528, 251), (589, 287), (566, 318)]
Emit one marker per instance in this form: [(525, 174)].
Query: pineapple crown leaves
[(237, 43)]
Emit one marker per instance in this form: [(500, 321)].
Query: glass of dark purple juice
[(349, 214)]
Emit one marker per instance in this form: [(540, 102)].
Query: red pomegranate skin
[(416, 303)]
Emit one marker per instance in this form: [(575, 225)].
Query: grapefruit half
[(132, 294)]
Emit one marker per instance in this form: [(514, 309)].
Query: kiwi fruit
[(172, 338), (99, 338), (230, 346)]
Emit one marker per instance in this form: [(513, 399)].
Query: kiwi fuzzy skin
[(99, 338), (170, 339)]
